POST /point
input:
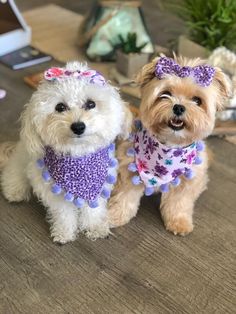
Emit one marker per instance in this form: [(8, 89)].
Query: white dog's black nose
[(178, 109), (78, 127)]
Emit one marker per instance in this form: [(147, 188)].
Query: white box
[(16, 38)]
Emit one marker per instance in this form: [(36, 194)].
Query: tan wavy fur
[(156, 114)]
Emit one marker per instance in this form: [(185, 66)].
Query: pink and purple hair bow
[(91, 76), (202, 74)]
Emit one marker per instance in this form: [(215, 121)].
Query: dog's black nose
[(178, 109), (78, 127)]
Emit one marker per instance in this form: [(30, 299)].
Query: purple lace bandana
[(91, 76), (158, 165), (202, 74), (80, 179)]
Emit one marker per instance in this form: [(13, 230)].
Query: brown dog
[(179, 100)]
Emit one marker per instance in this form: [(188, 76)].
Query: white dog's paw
[(62, 237), (101, 231), (17, 194)]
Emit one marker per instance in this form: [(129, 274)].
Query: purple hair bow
[(91, 76), (202, 74)]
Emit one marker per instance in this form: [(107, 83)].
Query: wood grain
[(141, 269)]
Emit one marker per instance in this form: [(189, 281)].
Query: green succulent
[(129, 45), (210, 23)]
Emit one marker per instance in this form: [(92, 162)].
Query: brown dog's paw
[(115, 219), (118, 216), (181, 226)]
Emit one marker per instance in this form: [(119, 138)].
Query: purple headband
[(202, 74), (91, 76)]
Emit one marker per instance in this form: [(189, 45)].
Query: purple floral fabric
[(202, 74), (83, 177), (158, 164)]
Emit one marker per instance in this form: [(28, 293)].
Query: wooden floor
[(141, 269)]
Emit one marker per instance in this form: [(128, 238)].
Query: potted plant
[(209, 24), (130, 58)]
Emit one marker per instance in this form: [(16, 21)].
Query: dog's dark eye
[(165, 93), (90, 104), (61, 107), (197, 100)]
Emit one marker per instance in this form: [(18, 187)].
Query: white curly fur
[(226, 59), (41, 126)]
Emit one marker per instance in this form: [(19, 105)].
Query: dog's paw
[(18, 194), (62, 238), (97, 232), (118, 217), (180, 225)]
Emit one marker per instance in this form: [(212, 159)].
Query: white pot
[(130, 64), (190, 49)]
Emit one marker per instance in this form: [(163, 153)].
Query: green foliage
[(129, 45), (210, 23)]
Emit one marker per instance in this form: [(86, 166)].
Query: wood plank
[(141, 269)]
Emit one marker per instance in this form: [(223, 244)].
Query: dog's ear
[(147, 73), (28, 132), (225, 88), (127, 123)]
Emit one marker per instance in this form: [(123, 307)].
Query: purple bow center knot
[(202, 74)]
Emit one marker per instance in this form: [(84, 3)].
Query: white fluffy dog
[(65, 151)]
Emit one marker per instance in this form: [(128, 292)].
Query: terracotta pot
[(190, 49), (130, 64)]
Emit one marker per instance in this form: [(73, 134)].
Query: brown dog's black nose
[(78, 127), (178, 109)]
